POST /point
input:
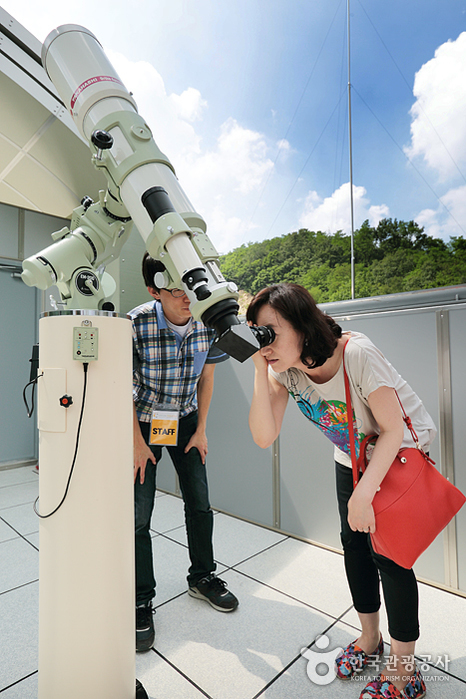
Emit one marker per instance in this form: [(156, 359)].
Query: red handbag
[(414, 501)]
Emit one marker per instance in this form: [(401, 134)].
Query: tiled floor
[(290, 592)]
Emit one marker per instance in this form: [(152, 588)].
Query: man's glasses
[(176, 293)]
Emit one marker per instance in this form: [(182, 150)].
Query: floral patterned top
[(324, 404)]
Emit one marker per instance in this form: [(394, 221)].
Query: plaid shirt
[(166, 368)]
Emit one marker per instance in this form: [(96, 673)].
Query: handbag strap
[(349, 412), (349, 417), (407, 421)]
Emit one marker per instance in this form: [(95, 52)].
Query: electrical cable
[(85, 367), (34, 384)]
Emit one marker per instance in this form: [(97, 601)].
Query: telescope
[(87, 646), (142, 189)]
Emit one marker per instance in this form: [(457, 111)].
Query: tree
[(395, 256)]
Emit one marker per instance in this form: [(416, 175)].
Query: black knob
[(86, 202), (66, 401), (102, 139)]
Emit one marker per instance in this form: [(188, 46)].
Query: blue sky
[(248, 98)]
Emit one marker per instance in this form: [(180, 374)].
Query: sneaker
[(382, 688), (214, 591), (352, 660), (145, 633), (140, 691)]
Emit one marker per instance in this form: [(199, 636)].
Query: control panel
[(85, 344)]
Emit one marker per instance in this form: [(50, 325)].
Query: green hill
[(393, 257)]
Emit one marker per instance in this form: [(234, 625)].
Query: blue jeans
[(198, 515)]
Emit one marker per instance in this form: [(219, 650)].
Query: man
[(174, 364)]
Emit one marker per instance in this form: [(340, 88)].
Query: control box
[(85, 344)]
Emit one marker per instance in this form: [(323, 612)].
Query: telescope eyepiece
[(196, 280), (263, 334)]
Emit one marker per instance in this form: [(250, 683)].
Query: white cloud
[(226, 180), (189, 104), (223, 181), (284, 146), (449, 219), (239, 162), (169, 116), (226, 230), (334, 213), (438, 128)]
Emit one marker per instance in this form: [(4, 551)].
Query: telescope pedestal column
[(86, 586)]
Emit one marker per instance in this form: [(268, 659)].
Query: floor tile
[(442, 618), (14, 476), (19, 494), (20, 564), (308, 573), (22, 518), (25, 689), (296, 683), (233, 656), (33, 539), (289, 591), (19, 618), (161, 680), (168, 513), (321, 680), (441, 686), (171, 563), (6, 532), (443, 624), (236, 540)]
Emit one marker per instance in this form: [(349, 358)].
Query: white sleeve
[(368, 369)]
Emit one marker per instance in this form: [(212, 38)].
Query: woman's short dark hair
[(319, 331), (150, 266)]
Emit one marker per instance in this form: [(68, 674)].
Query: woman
[(306, 361)]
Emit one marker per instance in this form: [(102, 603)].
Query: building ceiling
[(45, 165)]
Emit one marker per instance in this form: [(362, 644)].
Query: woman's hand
[(361, 513), (260, 361), (386, 411)]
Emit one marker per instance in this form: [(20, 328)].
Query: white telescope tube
[(123, 147), (96, 97), (81, 72)]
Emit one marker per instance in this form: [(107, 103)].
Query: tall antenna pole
[(350, 155)]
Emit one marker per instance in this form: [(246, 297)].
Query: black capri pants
[(363, 567)]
